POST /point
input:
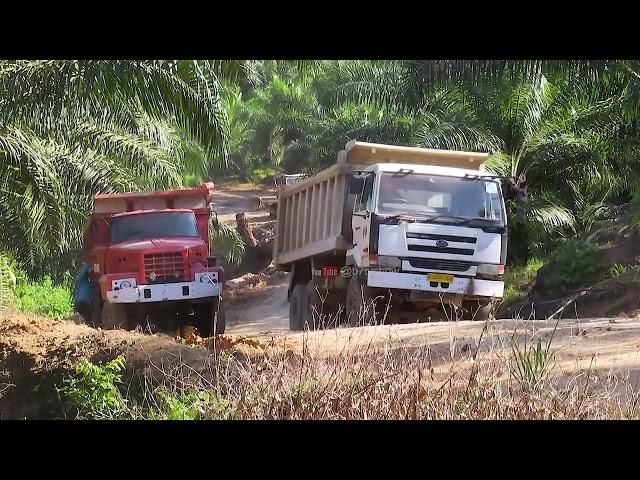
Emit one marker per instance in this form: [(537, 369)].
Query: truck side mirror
[(356, 182)]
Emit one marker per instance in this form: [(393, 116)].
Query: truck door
[(361, 220)]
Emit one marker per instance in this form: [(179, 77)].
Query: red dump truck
[(147, 262)]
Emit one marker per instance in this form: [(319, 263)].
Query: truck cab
[(429, 231), (147, 255)]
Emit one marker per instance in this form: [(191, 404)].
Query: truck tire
[(210, 318), (295, 308), (323, 305), (366, 305), (477, 311), (94, 315), (359, 303), (113, 316)]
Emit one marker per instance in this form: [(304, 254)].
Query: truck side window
[(366, 200)]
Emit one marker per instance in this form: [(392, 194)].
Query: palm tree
[(70, 129)]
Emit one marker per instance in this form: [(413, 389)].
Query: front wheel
[(479, 311), (113, 316), (365, 305), (211, 318)]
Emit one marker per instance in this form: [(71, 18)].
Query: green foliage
[(194, 406), (227, 241), (518, 278), (261, 173), (93, 391), (618, 269), (44, 298), (7, 282), (571, 266), (189, 406), (532, 363), (635, 206)]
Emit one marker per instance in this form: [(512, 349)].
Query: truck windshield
[(442, 196), (153, 225)]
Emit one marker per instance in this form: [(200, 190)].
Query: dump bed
[(192, 198), (106, 206), (310, 213)]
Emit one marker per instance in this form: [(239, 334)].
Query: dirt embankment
[(613, 292), (37, 353)]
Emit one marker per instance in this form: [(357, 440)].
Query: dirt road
[(240, 198)]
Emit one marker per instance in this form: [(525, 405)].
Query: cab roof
[(142, 212), (427, 169)]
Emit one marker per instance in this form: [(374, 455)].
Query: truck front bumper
[(461, 285), (162, 292)]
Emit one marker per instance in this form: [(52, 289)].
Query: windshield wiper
[(405, 214), (465, 221)]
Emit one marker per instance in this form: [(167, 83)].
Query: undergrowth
[(44, 298), (518, 278), (511, 379)]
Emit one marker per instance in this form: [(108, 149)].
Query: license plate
[(440, 277)]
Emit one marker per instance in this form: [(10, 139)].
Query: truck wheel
[(477, 311), (94, 316), (360, 305), (322, 308), (366, 305), (113, 316), (208, 313), (295, 308)]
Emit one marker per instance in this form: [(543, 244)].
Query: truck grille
[(164, 267), (437, 236), (436, 264), (426, 248)]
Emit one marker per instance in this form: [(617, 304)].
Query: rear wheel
[(296, 300)]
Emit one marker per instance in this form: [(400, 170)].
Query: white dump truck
[(391, 227)]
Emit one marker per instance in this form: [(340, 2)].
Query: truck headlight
[(490, 269), (208, 278), (125, 284)]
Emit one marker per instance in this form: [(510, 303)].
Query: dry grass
[(492, 377), (477, 371)]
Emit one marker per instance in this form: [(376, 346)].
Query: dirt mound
[(38, 353), (612, 291)]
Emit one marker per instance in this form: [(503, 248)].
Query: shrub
[(571, 266), (44, 298), (93, 390), (634, 207), (195, 405), (7, 282), (517, 278)]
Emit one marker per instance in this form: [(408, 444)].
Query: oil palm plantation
[(564, 130), (69, 129)]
